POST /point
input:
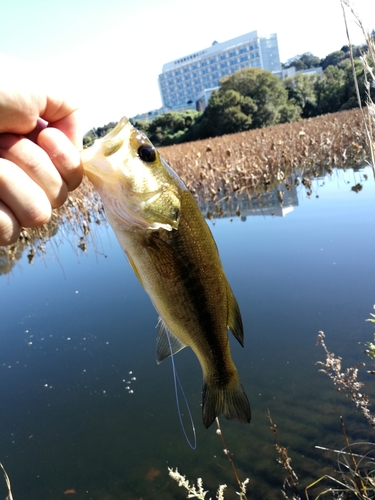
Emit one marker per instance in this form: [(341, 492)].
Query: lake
[(85, 407)]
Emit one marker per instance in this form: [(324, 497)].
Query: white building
[(290, 72), (184, 80)]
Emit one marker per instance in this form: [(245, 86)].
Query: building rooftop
[(215, 48)]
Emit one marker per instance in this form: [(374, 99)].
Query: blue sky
[(109, 53)]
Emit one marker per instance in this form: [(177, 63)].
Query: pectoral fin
[(166, 343), (166, 260), (234, 316), (134, 267)]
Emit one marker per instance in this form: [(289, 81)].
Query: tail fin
[(230, 401)]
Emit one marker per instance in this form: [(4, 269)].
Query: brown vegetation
[(82, 208), (258, 158), (247, 163)]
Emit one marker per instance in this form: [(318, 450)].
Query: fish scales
[(171, 250), (196, 278)]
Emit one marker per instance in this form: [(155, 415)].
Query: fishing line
[(177, 380)]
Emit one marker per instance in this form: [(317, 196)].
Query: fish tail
[(230, 401)]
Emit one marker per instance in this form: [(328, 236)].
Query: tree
[(329, 91), (301, 90), (96, 133), (169, 128), (227, 112), (334, 58), (267, 93), (142, 125), (350, 98), (304, 61)]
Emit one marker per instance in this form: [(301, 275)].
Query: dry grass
[(290, 484), (347, 381), (221, 169), (82, 208), (367, 59), (356, 474), (259, 158)]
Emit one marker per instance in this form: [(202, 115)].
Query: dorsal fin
[(234, 316), (166, 347)]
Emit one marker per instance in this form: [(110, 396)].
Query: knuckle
[(9, 226), (37, 215), (60, 198)]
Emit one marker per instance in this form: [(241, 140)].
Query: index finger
[(63, 115), (69, 125), (27, 94)]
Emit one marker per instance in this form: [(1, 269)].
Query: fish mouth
[(97, 159), (118, 128)]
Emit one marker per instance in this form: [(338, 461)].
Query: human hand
[(39, 149)]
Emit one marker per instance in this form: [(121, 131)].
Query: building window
[(223, 65), (233, 62), (232, 54), (243, 50), (222, 57), (213, 60)]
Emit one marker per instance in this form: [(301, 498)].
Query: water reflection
[(74, 325), (75, 222), (278, 201)]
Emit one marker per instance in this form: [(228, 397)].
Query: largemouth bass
[(173, 254)]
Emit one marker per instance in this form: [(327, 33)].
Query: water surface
[(77, 328)]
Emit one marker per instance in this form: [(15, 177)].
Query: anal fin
[(234, 317), (167, 344)]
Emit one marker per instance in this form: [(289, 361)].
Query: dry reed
[(367, 59), (222, 169), (81, 209), (260, 158)]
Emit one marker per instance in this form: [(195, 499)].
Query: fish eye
[(147, 153)]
